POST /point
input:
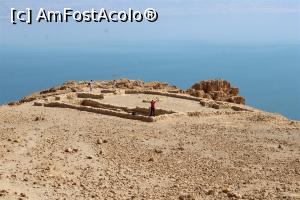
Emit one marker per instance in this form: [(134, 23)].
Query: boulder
[(234, 91), (14, 103), (186, 197), (238, 100), (197, 93), (219, 95), (215, 106), (37, 103)]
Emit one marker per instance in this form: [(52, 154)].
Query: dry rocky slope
[(70, 143)]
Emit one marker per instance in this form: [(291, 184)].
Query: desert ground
[(51, 151)]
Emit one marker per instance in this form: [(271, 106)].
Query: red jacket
[(153, 104)]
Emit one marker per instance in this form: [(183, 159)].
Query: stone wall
[(100, 111), (137, 110), (90, 95)]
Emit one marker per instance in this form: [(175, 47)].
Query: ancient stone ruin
[(110, 97), (219, 90)]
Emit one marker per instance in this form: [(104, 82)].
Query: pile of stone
[(219, 90)]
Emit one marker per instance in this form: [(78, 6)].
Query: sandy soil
[(54, 153)]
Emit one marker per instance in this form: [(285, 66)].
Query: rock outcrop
[(219, 90)]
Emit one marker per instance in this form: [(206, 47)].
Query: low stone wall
[(137, 110), (105, 91), (90, 96), (89, 103), (204, 102), (101, 111), (175, 95), (146, 111), (96, 104), (37, 96)]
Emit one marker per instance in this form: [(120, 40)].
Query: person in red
[(152, 111)]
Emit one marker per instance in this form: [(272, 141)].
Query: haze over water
[(253, 44)]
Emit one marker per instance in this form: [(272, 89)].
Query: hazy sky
[(225, 21)]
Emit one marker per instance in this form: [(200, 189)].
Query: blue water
[(267, 75)]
